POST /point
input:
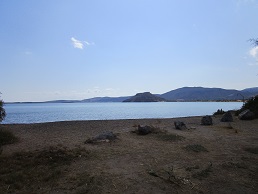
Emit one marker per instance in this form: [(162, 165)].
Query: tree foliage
[(254, 41), (252, 105), (2, 111)]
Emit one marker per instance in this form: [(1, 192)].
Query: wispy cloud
[(80, 43), (77, 43), (254, 54)]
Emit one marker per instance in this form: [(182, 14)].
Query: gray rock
[(180, 125), (246, 115), (227, 117), (206, 120), (144, 130)]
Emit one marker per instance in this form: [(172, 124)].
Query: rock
[(107, 136), (227, 117), (246, 115), (180, 125), (144, 130), (206, 120)]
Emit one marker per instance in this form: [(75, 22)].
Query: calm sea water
[(49, 112)]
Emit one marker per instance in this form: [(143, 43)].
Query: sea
[(51, 112)]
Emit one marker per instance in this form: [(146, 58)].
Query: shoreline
[(100, 120)]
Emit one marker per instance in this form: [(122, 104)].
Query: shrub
[(7, 137), (252, 105), (2, 111)]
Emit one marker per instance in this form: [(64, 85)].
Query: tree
[(2, 111), (254, 41)]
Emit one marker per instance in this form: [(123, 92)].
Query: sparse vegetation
[(170, 137), (252, 105), (22, 170), (2, 110), (203, 173), (196, 148), (7, 137), (253, 150)]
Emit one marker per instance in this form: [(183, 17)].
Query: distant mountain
[(106, 99), (180, 94), (251, 90), (207, 94), (62, 101), (145, 97)]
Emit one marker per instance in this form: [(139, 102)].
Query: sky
[(79, 49)]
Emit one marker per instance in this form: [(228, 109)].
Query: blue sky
[(79, 49)]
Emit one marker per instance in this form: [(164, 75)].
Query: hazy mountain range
[(181, 94)]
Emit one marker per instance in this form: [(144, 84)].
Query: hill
[(106, 99), (145, 97), (206, 94)]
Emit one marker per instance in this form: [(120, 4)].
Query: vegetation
[(28, 171), (253, 150), (254, 41), (252, 105), (196, 148), (170, 137), (203, 173), (2, 111), (7, 137)]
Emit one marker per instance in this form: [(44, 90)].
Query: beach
[(220, 158)]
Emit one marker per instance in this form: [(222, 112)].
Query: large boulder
[(246, 115), (144, 130), (180, 125), (227, 117), (206, 120)]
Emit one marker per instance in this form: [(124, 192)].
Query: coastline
[(124, 166)]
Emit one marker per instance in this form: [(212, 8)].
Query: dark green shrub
[(2, 111), (7, 137), (252, 105)]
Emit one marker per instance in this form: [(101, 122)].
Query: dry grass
[(27, 170), (196, 148), (7, 137)]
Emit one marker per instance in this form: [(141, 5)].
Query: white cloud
[(77, 43), (80, 44), (254, 52)]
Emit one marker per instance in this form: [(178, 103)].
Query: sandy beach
[(221, 158)]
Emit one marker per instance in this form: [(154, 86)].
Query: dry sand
[(155, 163)]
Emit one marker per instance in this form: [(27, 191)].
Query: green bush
[(252, 105), (2, 111), (7, 137)]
